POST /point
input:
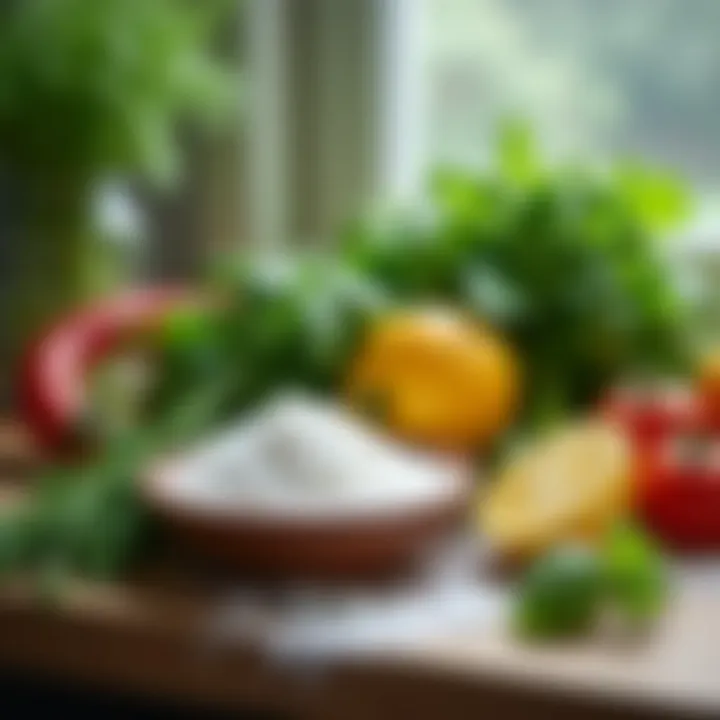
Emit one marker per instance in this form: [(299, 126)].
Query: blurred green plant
[(567, 261), (560, 595), (89, 520), (565, 592), (90, 87), (92, 90), (286, 323)]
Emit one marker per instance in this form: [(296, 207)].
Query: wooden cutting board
[(149, 636)]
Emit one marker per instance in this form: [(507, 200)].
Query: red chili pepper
[(678, 491), (53, 386)]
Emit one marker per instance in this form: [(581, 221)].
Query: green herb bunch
[(567, 261), (283, 323), (88, 520), (567, 591), (89, 87)]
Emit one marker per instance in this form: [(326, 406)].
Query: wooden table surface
[(148, 637)]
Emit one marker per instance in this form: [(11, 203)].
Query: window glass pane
[(599, 77)]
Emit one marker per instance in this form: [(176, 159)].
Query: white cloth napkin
[(313, 625)]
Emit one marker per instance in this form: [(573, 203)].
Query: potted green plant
[(89, 91)]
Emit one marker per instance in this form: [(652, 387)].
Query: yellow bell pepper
[(436, 378)]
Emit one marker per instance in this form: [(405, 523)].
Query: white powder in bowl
[(298, 456)]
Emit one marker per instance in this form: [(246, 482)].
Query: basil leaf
[(635, 572)]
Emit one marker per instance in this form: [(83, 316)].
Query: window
[(595, 77), (355, 101)]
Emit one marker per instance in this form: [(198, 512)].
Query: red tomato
[(678, 490)]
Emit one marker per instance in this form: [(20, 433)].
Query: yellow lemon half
[(569, 486)]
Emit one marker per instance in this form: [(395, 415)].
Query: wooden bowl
[(280, 545)]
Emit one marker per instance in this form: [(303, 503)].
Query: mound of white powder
[(298, 456)]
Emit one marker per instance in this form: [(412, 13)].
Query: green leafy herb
[(115, 77), (561, 594), (566, 590), (289, 322), (518, 156), (635, 572), (564, 260), (90, 521)]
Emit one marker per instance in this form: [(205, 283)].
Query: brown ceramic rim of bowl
[(157, 480)]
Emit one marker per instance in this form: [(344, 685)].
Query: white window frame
[(355, 87)]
